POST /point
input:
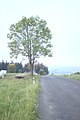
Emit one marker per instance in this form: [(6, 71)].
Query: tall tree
[(31, 38)]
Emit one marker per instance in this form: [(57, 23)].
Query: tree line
[(19, 68)]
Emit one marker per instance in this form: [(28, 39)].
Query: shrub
[(11, 68), (77, 73), (42, 72)]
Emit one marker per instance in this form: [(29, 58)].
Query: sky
[(63, 19)]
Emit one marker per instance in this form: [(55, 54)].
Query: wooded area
[(19, 68)]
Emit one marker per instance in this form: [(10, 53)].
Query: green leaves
[(30, 37)]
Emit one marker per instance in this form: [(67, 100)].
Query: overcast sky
[(63, 18)]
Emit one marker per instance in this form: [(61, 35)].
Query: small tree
[(30, 37), (19, 67), (41, 69), (42, 72), (11, 68)]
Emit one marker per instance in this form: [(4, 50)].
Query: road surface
[(59, 99)]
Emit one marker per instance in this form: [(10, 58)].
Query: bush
[(42, 72), (11, 68), (77, 73)]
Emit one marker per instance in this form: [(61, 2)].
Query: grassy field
[(18, 98), (74, 76)]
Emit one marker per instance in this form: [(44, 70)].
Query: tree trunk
[(32, 68)]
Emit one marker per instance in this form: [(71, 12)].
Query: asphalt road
[(59, 99)]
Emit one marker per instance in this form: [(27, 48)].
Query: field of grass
[(18, 98), (74, 76)]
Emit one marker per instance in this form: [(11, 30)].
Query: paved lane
[(59, 99)]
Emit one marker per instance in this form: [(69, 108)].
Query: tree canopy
[(31, 38)]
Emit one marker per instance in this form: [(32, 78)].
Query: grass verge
[(74, 76), (18, 98)]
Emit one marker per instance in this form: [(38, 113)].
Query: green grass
[(18, 98), (73, 76)]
